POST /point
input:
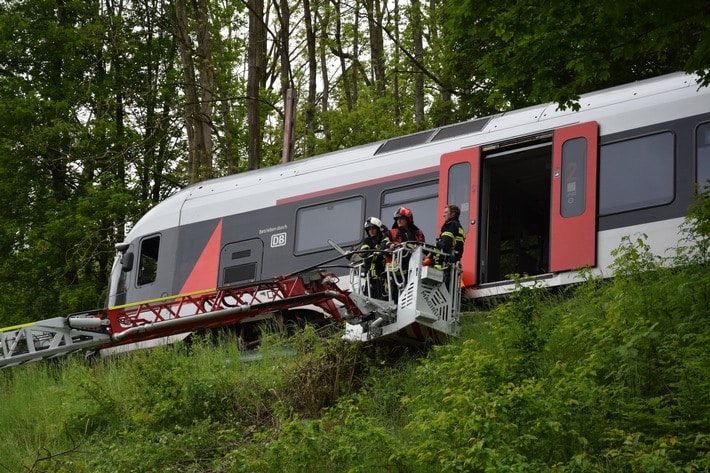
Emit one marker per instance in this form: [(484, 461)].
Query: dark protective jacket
[(413, 233), (451, 239), (375, 262), (375, 252)]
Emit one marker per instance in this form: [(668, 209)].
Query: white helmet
[(373, 222)]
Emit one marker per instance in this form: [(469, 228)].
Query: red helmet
[(404, 212)]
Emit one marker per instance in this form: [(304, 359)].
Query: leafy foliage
[(622, 384), (605, 377), (515, 53)]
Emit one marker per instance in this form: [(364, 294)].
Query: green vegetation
[(607, 376)]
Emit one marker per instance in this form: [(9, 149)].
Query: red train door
[(574, 197), (528, 206), (458, 184)]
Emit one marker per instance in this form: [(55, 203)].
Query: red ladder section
[(106, 328), (227, 306)]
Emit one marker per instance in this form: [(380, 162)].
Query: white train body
[(543, 192)]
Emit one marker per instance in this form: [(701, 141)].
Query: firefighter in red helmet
[(404, 229)]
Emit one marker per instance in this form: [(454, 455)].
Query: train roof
[(616, 109)]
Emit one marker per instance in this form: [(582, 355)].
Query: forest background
[(109, 106)]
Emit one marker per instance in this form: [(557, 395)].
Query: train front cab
[(528, 206)]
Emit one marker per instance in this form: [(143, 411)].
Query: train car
[(543, 193)]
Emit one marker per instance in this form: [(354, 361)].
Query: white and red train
[(543, 192)]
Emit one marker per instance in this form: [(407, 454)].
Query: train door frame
[(573, 228), (467, 198), (556, 209), (515, 210)]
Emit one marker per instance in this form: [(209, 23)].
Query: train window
[(339, 221), (401, 196), (636, 173), (422, 200), (703, 157), (460, 189), (148, 267), (121, 287), (574, 178)]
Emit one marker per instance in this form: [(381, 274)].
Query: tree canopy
[(517, 52)]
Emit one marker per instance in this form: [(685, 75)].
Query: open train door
[(574, 197), (458, 184)]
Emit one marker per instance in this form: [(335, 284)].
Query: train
[(543, 192)]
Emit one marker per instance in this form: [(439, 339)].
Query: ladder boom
[(421, 305), (229, 305), (48, 339), (132, 323)]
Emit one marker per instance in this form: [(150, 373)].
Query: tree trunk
[(309, 115), (356, 51), (198, 106), (395, 80), (338, 51), (445, 114), (206, 87), (325, 78), (287, 93), (418, 55), (256, 68), (377, 44), (285, 46)]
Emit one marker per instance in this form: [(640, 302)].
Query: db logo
[(278, 239)]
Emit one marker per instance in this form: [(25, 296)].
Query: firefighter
[(403, 229), (374, 247), (451, 240)]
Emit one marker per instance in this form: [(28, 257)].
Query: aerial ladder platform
[(426, 309)]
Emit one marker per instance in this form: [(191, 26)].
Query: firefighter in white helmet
[(374, 252)]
